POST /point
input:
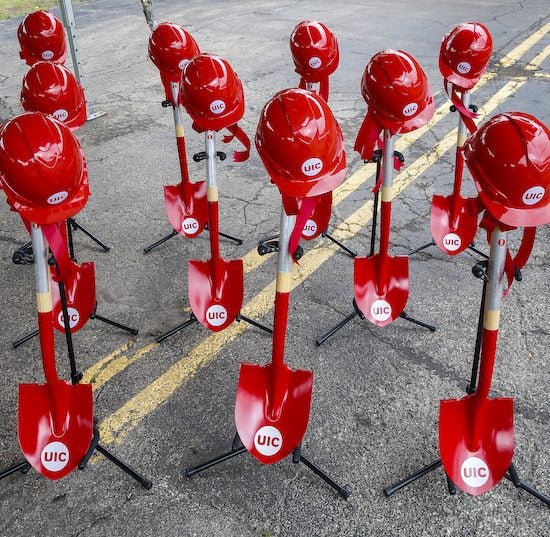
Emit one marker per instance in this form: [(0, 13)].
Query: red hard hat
[(41, 37), (397, 91), (212, 93), (301, 144), (170, 48), (509, 159), (42, 168), (314, 50), (464, 54), (52, 89)]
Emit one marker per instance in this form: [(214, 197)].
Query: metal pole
[(67, 14)]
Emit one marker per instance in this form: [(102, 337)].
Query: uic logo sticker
[(452, 242), (380, 310), (463, 68), (533, 195), (310, 228), (61, 114), (74, 317), (217, 106), (190, 226), (216, 315), (474, 472), (315, 62), (268, 440), (410, 109), (55, 456), (47, 55), (312, 166), (58, 197)]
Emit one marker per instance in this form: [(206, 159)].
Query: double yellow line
[(115, 427)]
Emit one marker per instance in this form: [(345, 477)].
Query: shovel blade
[(216, 306), (453, 233), (319, 219), (55, 441), (476, 465), (81, 298), (271, 436), (381, 287), (187, 218)]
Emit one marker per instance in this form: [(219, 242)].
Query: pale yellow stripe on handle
[(212, 193), (44, 302), (461, 138), (179, 131), (283, 284), (491, 319), (387, 193)]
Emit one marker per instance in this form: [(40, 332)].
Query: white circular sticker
[(474, 472), (217, 106), (380, 310), (410, 109), (58, 197), (315, 62), (74, 317), (61, 114), (463, 68), (190, 226), (312, 166), (310, 228), (55, 456), (47, 55), (533, 195), (216, 315), (452, 242), (183, 63), (268, 440)]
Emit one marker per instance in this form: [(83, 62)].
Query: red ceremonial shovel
[(79, 280), (215, 286), (273, 401), (55, 419), (476, 434), (185, 203), (454, 219), (381, 281)]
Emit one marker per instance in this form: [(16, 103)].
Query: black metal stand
[(471, 247), (173, 233), (94, 315), (237, 448), (192, 319), (479, 272), (24, 255)]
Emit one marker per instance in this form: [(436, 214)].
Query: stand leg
[(24, 339), (478, 252), (451, 487), (144, 482), (226, 236), (133, 331), (407, 317), (192, 319), (75, 225), (22, 467), (241, 317), (423, 247), (147, 249), (512, 476), (237, 448), (392, 489), (351, 253), (333, 330)]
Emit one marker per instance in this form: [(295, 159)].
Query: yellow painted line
[(515, 54), (542, 75), (115, 427), (538, 59)]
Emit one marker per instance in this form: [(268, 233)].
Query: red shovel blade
[(476, 445), (55, 436), (188, 218), (381, 287), (319, 219), (453, 228), (269, 434), (216, 306), (81, 298)]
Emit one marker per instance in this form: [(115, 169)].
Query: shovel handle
[(44, 303), (180, 133), (386, 193), (461, 134)]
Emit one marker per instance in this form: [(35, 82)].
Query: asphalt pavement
[(374, 418)]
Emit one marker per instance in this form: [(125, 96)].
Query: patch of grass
[(16, 8)]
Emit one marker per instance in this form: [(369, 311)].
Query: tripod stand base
[(22, 467), (471, 247), (511, 475), (237, 448), (173, 233)]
